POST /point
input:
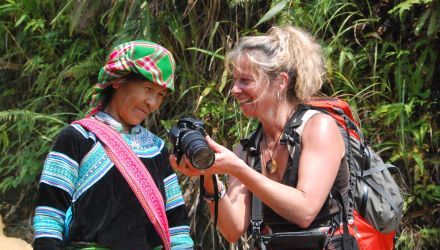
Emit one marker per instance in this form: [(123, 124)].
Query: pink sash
[(135, 173)]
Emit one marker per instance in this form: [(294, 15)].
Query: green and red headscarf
[(139, 57)]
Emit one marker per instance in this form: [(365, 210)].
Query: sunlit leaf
[(275, 10)]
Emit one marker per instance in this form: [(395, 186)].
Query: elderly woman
[(272, 75), (107, 182)]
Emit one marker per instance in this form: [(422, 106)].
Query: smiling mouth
[(143, 111), (245, 101)]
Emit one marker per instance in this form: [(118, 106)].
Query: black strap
[(216, 197), (214, 182), (364, 201), (257, 206), (345, 234), (295, 121), (257, 221), (350, 158), (377, 169)]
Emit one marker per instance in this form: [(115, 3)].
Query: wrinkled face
[(134, 100), (249, 90)]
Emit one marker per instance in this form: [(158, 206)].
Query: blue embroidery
[(173, 192), (93, 167), (180, 238), (60, 171), (48, 222)]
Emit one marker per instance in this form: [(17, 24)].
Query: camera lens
[(202, 158), (197, 150)]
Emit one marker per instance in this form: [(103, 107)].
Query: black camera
[(188, 137)]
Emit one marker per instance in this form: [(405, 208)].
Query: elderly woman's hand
[(184, 166)]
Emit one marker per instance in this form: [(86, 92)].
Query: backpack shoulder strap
[(251, 148), (294, 145), (307, 115), (252, 152)]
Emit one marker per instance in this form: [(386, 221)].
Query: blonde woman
[(273, 74)]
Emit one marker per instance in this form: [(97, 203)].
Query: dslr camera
[(188, 137)]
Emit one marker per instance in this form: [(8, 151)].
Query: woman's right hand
[(225, 162)]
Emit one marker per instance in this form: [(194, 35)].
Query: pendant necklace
[(271, 164)]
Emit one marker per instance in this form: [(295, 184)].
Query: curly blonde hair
[(284, 49)]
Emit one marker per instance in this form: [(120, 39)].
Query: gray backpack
[(373, 191)]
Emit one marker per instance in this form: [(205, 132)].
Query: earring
[(278, 96)]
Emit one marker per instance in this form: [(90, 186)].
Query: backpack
[(373, 192), (375, 203)]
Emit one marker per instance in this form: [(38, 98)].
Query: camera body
[(188, 137)]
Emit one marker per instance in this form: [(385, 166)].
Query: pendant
[(271, 166)]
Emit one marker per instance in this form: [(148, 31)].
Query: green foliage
[(275, 10), (382, 56)]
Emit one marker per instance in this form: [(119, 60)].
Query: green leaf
[(419, 161), (272, 12), (55, 19), (4, 140), (422, 21), (224, 80), (433, 23), (20, 20), (213, 54), (205, 93), (406, 6)]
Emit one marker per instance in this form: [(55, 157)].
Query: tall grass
[(382, 56)]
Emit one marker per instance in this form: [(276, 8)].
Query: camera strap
[(215, 196)]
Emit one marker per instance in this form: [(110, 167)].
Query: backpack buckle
[(293, 139), (331, 231), (256, 228), (249, 146)]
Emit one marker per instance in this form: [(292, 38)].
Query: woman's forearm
[(232, 220)]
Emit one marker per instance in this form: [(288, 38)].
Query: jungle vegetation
[(382, 56)]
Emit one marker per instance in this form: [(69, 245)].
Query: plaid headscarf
[(144, 58)]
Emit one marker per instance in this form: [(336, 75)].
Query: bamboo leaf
[(418, 159), (207, 52), (224, 80), (55, 19), (275, 10), (406, 6), (4, 139), (422, 21), (205, 93), (433, 26), (20, 20)]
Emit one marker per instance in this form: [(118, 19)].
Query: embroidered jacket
[(83, 197)]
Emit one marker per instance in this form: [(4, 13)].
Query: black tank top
[(330, 208)]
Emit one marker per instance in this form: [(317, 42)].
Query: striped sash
[(135, 173)]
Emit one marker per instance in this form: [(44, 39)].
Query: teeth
[(245, 101)]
